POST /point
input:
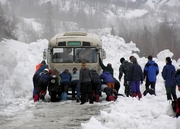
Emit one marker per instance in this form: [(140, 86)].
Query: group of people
[(88, 84), (134, 76)]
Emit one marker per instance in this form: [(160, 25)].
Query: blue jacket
[(151, 69), (65, 77), (41, 68), (168, 74), (107, 77)]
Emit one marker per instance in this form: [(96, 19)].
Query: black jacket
[(107, 68), (135, 73)]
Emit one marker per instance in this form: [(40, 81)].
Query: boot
[(139, 95), (64, 96), (77, 99), (134, 94), (36, 98)]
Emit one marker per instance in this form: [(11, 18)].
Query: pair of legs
[(64, 86), (86, 92), (75, 87), (96, 87), (151, 84), (171, 92), (40, 91), (135, 88), (127, 89), (35, 82)]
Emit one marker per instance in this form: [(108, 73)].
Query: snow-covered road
[(60, 115)]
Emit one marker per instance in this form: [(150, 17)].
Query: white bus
[(68, 50)]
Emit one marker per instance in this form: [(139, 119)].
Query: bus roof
[(76, 36)]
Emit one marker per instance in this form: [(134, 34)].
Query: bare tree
[(48, 25), (7, 25)]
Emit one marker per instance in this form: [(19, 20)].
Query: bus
[(68, 50)]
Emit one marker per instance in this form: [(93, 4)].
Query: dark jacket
[(124, 68), (45, 77), (94, 74), (151, 69), (84, 76), (107, 77), (168, 74), (107, 68), (65, 77), (135, 72)]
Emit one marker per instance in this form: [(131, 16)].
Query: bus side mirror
[(103, 54), (44, 54)]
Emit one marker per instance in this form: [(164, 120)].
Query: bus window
[(62, 55), (85, 54)]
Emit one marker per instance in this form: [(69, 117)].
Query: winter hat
[(122, 59), (46, 70)]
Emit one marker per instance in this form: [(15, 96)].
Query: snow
[(135, 13), (17, 65)]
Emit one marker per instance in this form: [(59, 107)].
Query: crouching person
[(65, 83), (111, 94), (42, 85)]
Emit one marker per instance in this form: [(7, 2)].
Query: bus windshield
[(77, 55)]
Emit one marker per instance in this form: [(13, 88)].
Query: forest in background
[(156, 30)]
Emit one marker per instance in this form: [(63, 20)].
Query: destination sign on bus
[(74, 43)]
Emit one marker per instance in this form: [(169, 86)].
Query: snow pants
[(135, 89), (151, 84), (171, 92), (96, 86), (40, 91), (109, 94), (86, 92)]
